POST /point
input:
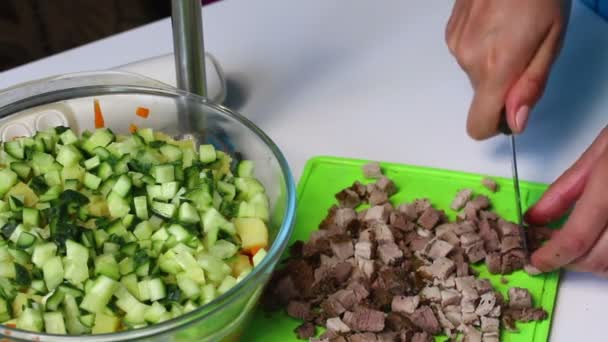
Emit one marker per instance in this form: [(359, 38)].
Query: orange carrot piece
[(143, 112), (132, 128), (99, 122)]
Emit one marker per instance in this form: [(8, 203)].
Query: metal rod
[(188, 46)]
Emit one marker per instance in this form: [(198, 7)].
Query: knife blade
[(506, 130)]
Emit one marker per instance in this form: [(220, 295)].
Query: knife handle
[(503, 125)]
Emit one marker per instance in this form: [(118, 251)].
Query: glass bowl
[(69, 99)]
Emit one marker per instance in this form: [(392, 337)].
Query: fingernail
[(521, 117)]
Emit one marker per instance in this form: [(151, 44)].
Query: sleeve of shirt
[(599, 6)]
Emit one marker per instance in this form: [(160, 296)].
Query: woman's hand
[(582, 243), (506, 48)]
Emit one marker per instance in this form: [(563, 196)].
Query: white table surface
[(359, 79)]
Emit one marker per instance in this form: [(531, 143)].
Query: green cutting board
[(325, 176)]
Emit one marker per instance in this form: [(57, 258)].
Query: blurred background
[(33, 29)]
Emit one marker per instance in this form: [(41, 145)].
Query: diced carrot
[(99, 122), (143, 112), (11, 325), (132, 128), (252, 250)]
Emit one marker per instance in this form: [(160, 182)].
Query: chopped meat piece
[(400, 221), (480, 202), (382, 232), (468, 239), (513, 260), (531, 270), (365, 337), (509, 243), (359, 188), (372, 170), (409, 209), (397, 322), (360, 291), (419, 244), (470, 318), (342, 271), (377, 197), (464, 227), (445, 228), (445, 283), (519, 298), (366, 267), (389, 253), (422, 232), (365, 235), (462, 197), (483, 286), (286, 290), (462, 267), (365, 320), (336, 324), (342, 248), (332, 307), (305, 330), (454, 316), (488, 215), (475, 252), (299, 310), (494, 263), (429, 218), (489, 324), (369, 188), (363, 249), (508, 228), (422, 337), (425, 319), (405, 304), (466, 286), (377, 213), (468, 304), (490, 337), (471, 334), (390, 336), (348, 198), (450, 297), (422, 204), (438, 248), (526, 314), (450, 237), (489, 236), (471, 212), (486, 303), (445, 323), (386, 185), (489, 184), (431, 293), (442, 267), (495, 312), (344, 216)]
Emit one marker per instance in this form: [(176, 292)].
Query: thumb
[(528, 89)]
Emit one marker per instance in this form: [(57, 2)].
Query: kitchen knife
[(506, 130)]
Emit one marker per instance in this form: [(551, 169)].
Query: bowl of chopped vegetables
[(130, 210)]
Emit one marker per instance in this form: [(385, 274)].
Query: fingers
[(596, 260), (562, 194), (585, 226), (456, 23), (485, 110), (530, 86)]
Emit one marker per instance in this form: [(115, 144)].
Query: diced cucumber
[(126, 266), (87, 320), (8, 178), (208, 293), (100, 138), (71, 314), (15, 149), (53, 272), (53, 323), (188, 213), (101, 292), (189, 287), (43, 252), (105, 324), (91, 181), (245, 168), (223, 249), (22, 169), (106, 264), (104, 171), (141, 207), (54, 300), (143, 230), (25, 240), (171, 152), (163, 173), (68, 137), (30, 319), (118, 206), (226, 284), (154, 313), (166, 210), (68, 155), (207, 153), (259, 256), (122, 185)]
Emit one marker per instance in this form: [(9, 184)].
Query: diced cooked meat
[(364, 337), (360, 291), (365, 320), (405, 304), (332, 307), (509, 243), (462, 197), (466, 286), (508, 228), (336, 324), (389, 253), (519, 298), (464, 227), (429, 218), (431, 293), (462, 267), (480, 202), (390, 336), (441, 268), (494, 263), (422, 204), (342, 271), (513, 260), (468, 304), (286, 290), (372, 170), (489, 184), (483, 285), (450, 297), (475, 252), (344, 216), (377, 213), (490, 337), (382, 232), (450, 237), (348, 198), (363, 249), (489, 324), (496, 312), (438, 248), (409, 210), (470, 238), (445, 323), (471, 334), (367, 267), (386, 185), (486, 303), (526, 314), (305, 330), (446, 283), (470, 318), (425, 319), (489, 236), (455, 316), (342, 248), (377, 197), (422, 337), (299, 310), (471, 212)]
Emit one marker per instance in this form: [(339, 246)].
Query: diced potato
[(21, 189), (240, 264), (252, 231)]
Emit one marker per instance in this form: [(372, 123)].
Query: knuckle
[(466, 56), (536, 83)]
